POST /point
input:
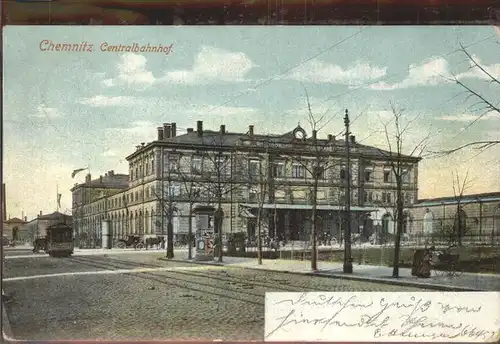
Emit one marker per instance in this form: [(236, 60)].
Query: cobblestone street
[(102, 297)]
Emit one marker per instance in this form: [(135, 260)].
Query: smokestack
[(222, 129), (173, 130), (314, 134), (160, 133), (199, 128), (250, 130), (166, 131), (189, 130), (353, 139)]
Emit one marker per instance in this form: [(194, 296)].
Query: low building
[(244, 172), (36, 227), (16, 230), (479, 217)]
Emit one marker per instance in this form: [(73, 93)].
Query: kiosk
[(107, 240), (204, 233)]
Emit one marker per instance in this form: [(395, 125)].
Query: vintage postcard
[(333, 183)]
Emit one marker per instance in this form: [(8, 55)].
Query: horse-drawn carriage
[(138, 242)]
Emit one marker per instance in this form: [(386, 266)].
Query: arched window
[(428, 221)]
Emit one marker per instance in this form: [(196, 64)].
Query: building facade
[(477, 215), (15, 229), (36, 227), (267, 177)]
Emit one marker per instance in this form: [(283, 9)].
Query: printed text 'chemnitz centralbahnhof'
[(50, 46)]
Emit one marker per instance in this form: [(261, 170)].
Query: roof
[(115, 181), (480, 197), (15, 220), (233, 140), (53, 216)]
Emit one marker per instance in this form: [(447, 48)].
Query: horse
[(150, 242)]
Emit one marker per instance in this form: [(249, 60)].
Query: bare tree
[(192, 194), (401, 166), (167, 193), (459, 188), (314, 158), (256, 166), (216, 178), (484, 104)]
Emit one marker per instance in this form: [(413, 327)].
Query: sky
[(66, 110)]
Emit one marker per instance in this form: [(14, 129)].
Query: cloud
[(320, 72), (492, 115), (431, 72), (476, 73), (105, 101), (131, 72), (221, 110), (47, 112), (213, 65)]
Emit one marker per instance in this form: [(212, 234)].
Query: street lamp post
[(347, 268)]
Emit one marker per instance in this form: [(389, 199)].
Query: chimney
[(142, 144), (88, 178), (100, 179), (189, 130), (111, 173), (173, 130), (25, 219), (222, 129), (199, 128), (40, 213), (250, 130), (137, 147), (353, 139), (330, 137), (106, 174), (166, 131), (314, 134), (160, 133)]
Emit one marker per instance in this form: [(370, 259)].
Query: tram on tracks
[(58, 241)]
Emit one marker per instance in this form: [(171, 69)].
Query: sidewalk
[(368, 273)]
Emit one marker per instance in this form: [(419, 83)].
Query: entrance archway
[(15, 234)]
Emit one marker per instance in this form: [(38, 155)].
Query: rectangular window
[(196, 165), (252, 195), (387, 175), (298, 171), (152, 166), (370, 197), (343, 173), (365, 196), (368, 175), (386, 197), (405, 176), (279, 170), (173, 164), (253, 168), (221, 165), (319, 172)]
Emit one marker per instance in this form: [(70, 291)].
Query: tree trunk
[(170, 237), (190, 232), (218, 218), (259, 236), (459, 225), (314, 248), (399, 230)]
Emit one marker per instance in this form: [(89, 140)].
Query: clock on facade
[(299, 133)]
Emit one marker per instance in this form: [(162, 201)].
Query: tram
[(59, 240)]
